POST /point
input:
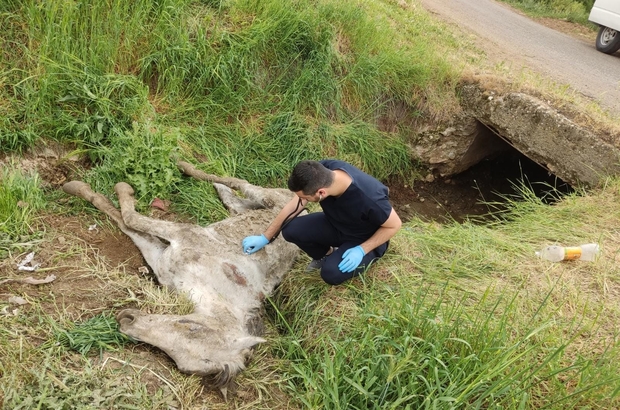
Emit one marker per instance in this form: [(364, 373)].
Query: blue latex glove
[(351, 259), (253, 244)]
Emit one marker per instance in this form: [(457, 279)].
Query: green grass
[(251, 71), (252, 88), (465, 316), (99, 333), (454, 316)]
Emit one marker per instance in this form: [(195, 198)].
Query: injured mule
[(226, 286)]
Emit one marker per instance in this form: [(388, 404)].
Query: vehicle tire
[(608, 40)]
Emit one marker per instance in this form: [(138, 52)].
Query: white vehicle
[(606, 13)]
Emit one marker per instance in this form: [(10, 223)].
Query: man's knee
[(333, 276), (286, 233), (294, 231)]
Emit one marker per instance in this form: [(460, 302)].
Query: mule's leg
[(150, 246), (168, 231), (192, 171), (256, 195), (84, 191)]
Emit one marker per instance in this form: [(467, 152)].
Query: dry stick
[(30, 280)]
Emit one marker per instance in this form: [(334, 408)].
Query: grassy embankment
[(575, 11), (455, 316)]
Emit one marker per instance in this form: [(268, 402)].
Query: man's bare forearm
[(384, 233)]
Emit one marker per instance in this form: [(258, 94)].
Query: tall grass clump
[(73, 103), (429, 348), (21, 197), (73, 81), (94, 106), (266, 156)]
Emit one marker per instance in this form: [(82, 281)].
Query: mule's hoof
[(77, 188), (186, 167), (123, 188), (192, 171)]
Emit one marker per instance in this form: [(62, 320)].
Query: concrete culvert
[(499, 143), (481, 189)]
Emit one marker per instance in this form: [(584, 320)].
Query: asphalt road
[(516, 39)]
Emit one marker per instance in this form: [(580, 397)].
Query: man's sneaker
[(316, 264)]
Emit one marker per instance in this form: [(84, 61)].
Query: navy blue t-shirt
[(362, 208)]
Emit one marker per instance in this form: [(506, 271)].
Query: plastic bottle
[(586, 252)]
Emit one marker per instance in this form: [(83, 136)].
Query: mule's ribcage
[(212, 281)]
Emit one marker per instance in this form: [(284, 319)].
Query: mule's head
[(215, 349)]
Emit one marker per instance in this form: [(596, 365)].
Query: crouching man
[(354, 228)]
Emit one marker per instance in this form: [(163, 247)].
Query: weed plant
[(144, 158)]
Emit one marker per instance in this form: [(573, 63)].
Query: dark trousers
[(315, 235)]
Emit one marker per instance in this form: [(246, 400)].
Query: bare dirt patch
[(115, 247), (73, 254)]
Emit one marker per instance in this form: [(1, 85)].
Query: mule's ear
[(233, 203), (247, 342)]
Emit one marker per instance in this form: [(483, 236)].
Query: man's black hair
[(309, 177)]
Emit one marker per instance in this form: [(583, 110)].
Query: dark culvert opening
[(483, 189)]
